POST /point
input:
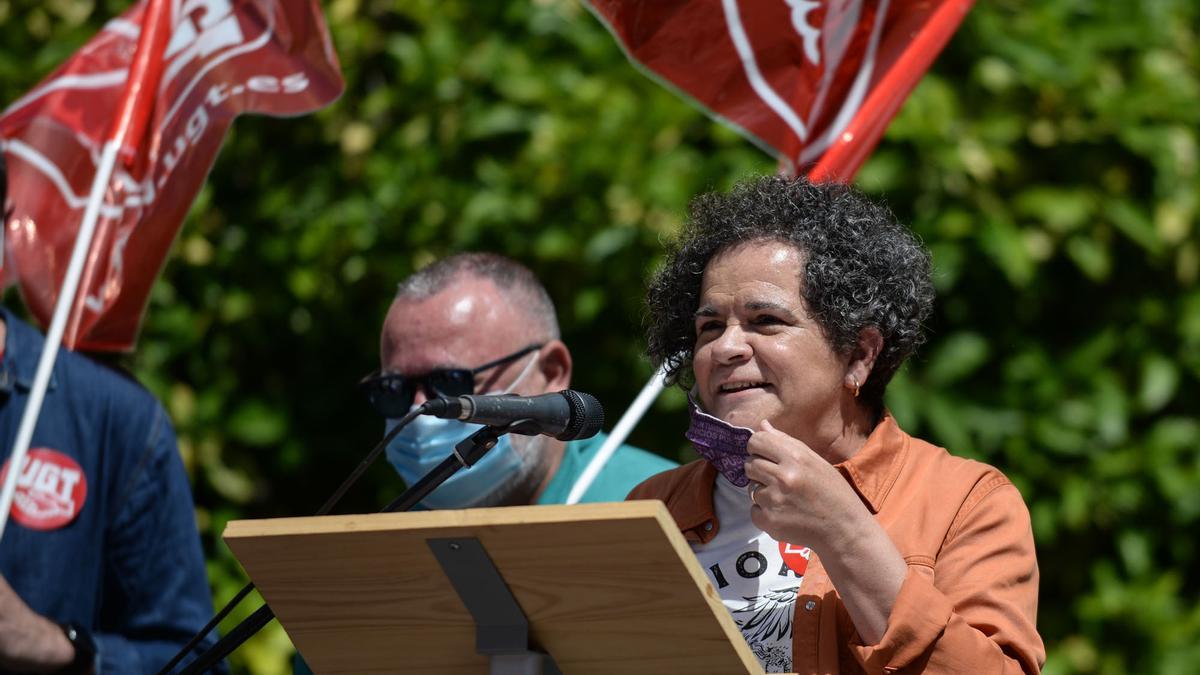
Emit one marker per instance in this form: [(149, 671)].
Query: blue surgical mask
[(427, 441)]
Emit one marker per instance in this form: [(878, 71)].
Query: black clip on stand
[(502, 630)]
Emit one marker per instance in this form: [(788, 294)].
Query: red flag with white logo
[(814, 82), (222, 58)]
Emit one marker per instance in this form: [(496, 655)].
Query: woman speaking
[(839, 543)]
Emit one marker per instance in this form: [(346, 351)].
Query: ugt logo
[(202, 28), (51, 489)]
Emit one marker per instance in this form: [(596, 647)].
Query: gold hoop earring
[(856, 387)]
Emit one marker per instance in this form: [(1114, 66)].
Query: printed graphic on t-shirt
[(756, 576), (759, 589)]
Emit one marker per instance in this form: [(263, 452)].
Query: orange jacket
[(969, 601)]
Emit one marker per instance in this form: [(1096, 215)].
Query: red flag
[(807, 80), (223, 57)]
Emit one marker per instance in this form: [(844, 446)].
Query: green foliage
[(1049, 160), (1051, 167)]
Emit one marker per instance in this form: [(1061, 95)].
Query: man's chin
[(518, 489)]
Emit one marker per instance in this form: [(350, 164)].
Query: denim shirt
[(127, 565)]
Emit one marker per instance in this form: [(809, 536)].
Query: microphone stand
[(466, 453)]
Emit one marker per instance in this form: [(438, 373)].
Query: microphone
[(566, 415)]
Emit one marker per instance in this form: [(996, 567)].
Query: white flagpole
[(132, 111), (58, 324), (619, 433)]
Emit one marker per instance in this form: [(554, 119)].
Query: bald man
[(481, 323)]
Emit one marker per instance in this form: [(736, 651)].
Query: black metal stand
[(501, 628)]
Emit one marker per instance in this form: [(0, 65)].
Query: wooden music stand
[(605, 588)]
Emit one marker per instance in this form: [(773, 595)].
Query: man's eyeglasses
[(392, 394)]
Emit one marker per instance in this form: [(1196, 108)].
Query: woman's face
[(759, 356)]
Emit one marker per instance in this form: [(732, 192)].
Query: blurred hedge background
[(1049, 160)]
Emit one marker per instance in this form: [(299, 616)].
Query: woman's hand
[(802, 500)]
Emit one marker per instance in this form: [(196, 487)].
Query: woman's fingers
[(771, 444), (777, 458)]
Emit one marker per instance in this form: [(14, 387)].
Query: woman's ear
[(862, 358), (555, 366)]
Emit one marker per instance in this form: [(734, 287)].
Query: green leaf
[(1003, 243), (1160, 381), (957, 357), (257, 423), (1091, 256)]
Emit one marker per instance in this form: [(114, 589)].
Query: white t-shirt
[(748, 569)]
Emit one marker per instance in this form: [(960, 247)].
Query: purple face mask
[(721, 443)]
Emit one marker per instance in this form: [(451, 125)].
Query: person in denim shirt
[(101, 545)]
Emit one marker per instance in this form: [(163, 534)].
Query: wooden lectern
[(605, 588)]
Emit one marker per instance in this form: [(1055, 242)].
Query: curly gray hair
[(862, 269)]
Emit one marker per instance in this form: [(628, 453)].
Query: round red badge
[(51, 489), (795, 557)]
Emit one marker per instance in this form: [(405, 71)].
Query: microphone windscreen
[(587, 416)]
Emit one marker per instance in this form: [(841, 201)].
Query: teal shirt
[(628, 467), (624, 470)]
